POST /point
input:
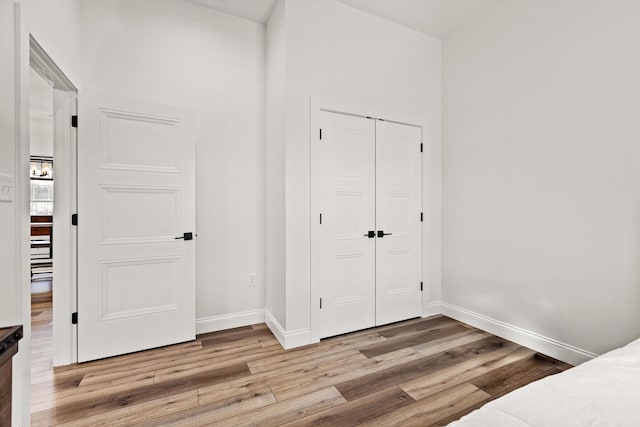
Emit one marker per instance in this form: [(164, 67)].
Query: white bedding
[(604, 391)]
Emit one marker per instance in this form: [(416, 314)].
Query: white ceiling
[(254, 10), (438, 18)]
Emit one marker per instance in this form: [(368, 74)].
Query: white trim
[(287, 339), (276, 329), (65, 250), (227, 321), (314, 238), (432, 308), (21, 396), (545, 345), (42, 63)]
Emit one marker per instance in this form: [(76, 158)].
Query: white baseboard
[(228, 321), (276, 329), (287, 339), (545, 345), (433, 308)]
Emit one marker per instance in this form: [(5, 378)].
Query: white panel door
[(136, 195), (347, 205), (398, 207)]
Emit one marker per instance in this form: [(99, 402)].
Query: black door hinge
[(320, 134), (320, 219), (74, 219), (74, 318), (421, 286), (421, 216), (421, 147), (320, 302), (74, 121)]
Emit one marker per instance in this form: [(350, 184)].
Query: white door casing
[(136, 194), (65, 253), (398, 209), (347, 205)]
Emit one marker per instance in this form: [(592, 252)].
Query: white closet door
[(398, 207), (347, 206), (136, 196)]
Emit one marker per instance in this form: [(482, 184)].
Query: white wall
[(344, 58), (9, 313), (10, 296), (176, 53), (56, 27), (41, 136), (40, 116), (276, 90), (541, 184)]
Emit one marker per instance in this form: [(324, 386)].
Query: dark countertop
[(9, 338)]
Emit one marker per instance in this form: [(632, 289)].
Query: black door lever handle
[(186, 236), (370, 234), (381, 233)]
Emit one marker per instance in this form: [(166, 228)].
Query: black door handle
[(186, 236), (370, 234), (381, 233)]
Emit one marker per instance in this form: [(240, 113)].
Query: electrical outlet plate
[(252, 279), (6, 188)]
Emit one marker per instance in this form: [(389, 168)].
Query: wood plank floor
[(419, 372)]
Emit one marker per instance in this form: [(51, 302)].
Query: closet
[(370, 236)]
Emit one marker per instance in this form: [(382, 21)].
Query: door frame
[(64, 285), (316, 107)]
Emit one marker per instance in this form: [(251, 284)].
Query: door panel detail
[(130, 141), (139, 214), (123, 295)]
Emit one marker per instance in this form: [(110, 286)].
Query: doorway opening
[(41, 188), (41, 195), (52, 238)]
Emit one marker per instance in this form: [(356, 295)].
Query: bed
[(604, 391)]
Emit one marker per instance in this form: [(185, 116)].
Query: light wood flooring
[(419, 372)]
